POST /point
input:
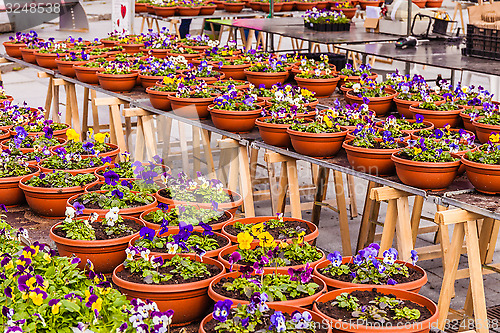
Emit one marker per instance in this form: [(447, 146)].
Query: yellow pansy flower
[(417, 150), (72, 135), (99, 137), (300, 237), (97, 305), (55, 308), (257, 229), (266, 240), (244, 239), (36, 298), (494, 137)]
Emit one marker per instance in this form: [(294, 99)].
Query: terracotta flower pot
[(322, 87), (403, 106), (134, 211), (165, 11), (110, 43), (255, 5), (426, 175), (118, 82), (208, 9), (57, 133), (365, 3), (282, 308), (274, 134), (237, 72), (467, 122), (106, 255), (439, 118), (434, 3), (267, 270), (267, 79), (345, 326), (302, 302), (210, 254), (234, 7), (49, 202), (321, 145), (149, 80), (420, 3), (188, 11), (303, 6), (354, 78), (484, 131), (215, 226), (159, 99), (381, 105), (229, 206), (14, 49), (484, 177), (349, 12), (287, 6), (28, 55), (132, 48), (48, 60), (66, 67), (413, 286), (149, 8), (376, 162), (191, 108), (140, 7), (88, 74), (266, 7), (310, 237), (188, 300), (235, 121), (11, 194)]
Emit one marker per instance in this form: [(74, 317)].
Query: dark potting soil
[(235, 294), (364, 298), (220, 240), (176, 277), (266, 323), (199, 199), (223, 218), (99, 230), (413, 276), (291, 225), (242, 262), (61, 188)]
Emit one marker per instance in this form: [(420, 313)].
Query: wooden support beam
[(453, 216), (386, 193)]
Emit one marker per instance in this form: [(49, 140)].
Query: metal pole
[(408, 24), (271, 8)]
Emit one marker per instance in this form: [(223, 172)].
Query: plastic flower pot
[(159, 99), (235, 121), (188, 300), (381, 105), (366, 3), (426, 175), (48, 60), (484, 131), (283, 308), (11, 194), (434, 3), (320, 145), (140, 7), (188, 11), (237, 72), (208, 9), (209, 254), (149, 80), (88, 74), (267, 270), (484, 177), (376, 162), (191, 108), (14, 49), (268, 79), (232, 206), (354, 78), (333, 284), (164, 11), (66, 67), (303, 6), (28, 55), (345, 326), (274, 134), (133, 211), (49, 202), (234, 7), (322, 87), (310, 237), (302, 302), (106, 255), (132, 47), (439, 118), (118, 82), (467, 122)]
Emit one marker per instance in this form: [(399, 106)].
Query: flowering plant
[(488, 153), (40, 125), (205, 70), (13, 166), (403, 124), (116, 196), (324, 16), (73, 56), (23, 140), (97, 63), (187, 214), (369, 137), (60, 179), (322, 124), (350, 71), (425, 151), (231, 101), (64, 161), (270, 66), (197, 90), (117, 68), (24, 38), (429, 104)]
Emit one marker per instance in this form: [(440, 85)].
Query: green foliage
[(13, 166), (61, 179), (406, 313), (346, 301), (109, 199), (74, 163)]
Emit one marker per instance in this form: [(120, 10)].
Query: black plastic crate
[(482, 43)]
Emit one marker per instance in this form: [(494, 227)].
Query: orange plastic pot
[(310, 237), (413, 286), (434, 3), (287, 6), (159, 99), (3, 136), (376, 162), (87, 74), (48, 60), (11, 194), (149, 80), (381, 105), (118, 82), (420, 3), (210, 254), (467, 122), (132, 48), (191, 108), (14, 49), (234, 7), (188, 11), (483, 131), (426, 175), (403, 107), (215, 226), (188, 300), (237, 72), (208, 9), (303, 6), (266, 7), (106, 255), (484, 177), (165, 11), (439, 118), (349, 12), (235, 121), (230, 206), (345, 326), (28, 55), (274, 134), (140, 7), (302, 302), (133, 212), (321, 145), (322, 87), (255, 5), (374, 3), (267, 79), (282, 308), (59, 134), (267, 270), (49, 202), (66, 67)]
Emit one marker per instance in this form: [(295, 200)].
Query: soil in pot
[(100, 233)]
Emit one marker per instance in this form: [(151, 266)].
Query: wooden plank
[(386, 193), (272, 157), (246, 182), (44, 75), (343, 219), (183, 145), (117, 127), (453, 216), (418, 204), (139, 141), (95, 112), (403, 229), (166, 130), (108, 101), (75, 115), (205, 140), (389, 226), (149, 136), (48, 99), (464, 273), (136, 112), (85, 117), (293, 188), (352, 196), (320, 185), (282, 189), (365, 219), (196, 151)]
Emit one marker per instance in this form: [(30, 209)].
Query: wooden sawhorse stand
[(480, 249)]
